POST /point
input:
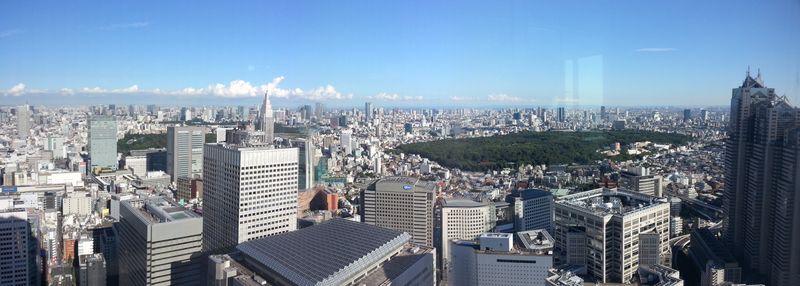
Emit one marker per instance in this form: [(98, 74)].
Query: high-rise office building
[(403, 204), (249, 192), (23, 121), (19, 250), (103, 142), (561, 115), (762, 182), (319, 110), (92, 270), (533, 209), (267, 120), (55, 144), (160, 243), (305, 179), (368, 111), (599, 229), (687, 114), (603, 114), (185, 151), (463, 219)]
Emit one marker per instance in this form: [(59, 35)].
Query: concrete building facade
[(249, 192), (403, 204)]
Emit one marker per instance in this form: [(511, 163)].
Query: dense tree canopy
[(497, 152)]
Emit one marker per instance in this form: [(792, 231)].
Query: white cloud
[(16, 90), (656, 50), (458, 98), (234, 89), (395, 97), (502, 97), (67, 91)]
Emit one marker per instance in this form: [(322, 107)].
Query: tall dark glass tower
[(762, 193)]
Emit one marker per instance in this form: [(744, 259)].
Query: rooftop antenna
[(748, 71)]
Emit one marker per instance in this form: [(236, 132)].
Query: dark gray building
[(160, 243), (92, 270), (185, 151), (762, 183)]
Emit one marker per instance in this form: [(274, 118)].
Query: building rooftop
[(528, 194), (400, 184), (304, 258), (603, 201), (161, 210), (535, 240), (462, 203)]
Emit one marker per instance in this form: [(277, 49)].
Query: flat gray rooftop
[(326, 254)]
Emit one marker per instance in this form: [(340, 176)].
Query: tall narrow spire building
[(267, 120)]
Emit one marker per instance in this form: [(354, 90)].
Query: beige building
[(403, 204), (463, 219)]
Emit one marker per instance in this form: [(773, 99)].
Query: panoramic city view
[(474, 143)]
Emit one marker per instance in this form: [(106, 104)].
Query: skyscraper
[(249, 192), (267, 121), (368, 111), (103, 142), (401, 203), (561, 115), (687, 114), (19, 251), (185, 151), (306, 163), (160, 243), (23, 121), (762, 191), (533, 209)]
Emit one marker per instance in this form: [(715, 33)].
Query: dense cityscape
[(520, 145), (250, 206)]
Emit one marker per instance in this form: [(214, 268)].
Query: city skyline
[(393, 55)]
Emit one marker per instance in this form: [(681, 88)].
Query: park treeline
[(554, 147)]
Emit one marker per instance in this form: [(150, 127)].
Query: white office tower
[(160, 243), (185, 151), (249, 192), (23, 121), (347, 142), (600, 229), (509, 259), (463, 219), (403, 204), (103, 142), (55, 144), (18, 253), (267, 120)]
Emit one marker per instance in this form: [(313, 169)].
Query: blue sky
[(402, 53)]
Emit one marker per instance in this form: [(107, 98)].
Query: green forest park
[(553, 147)]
